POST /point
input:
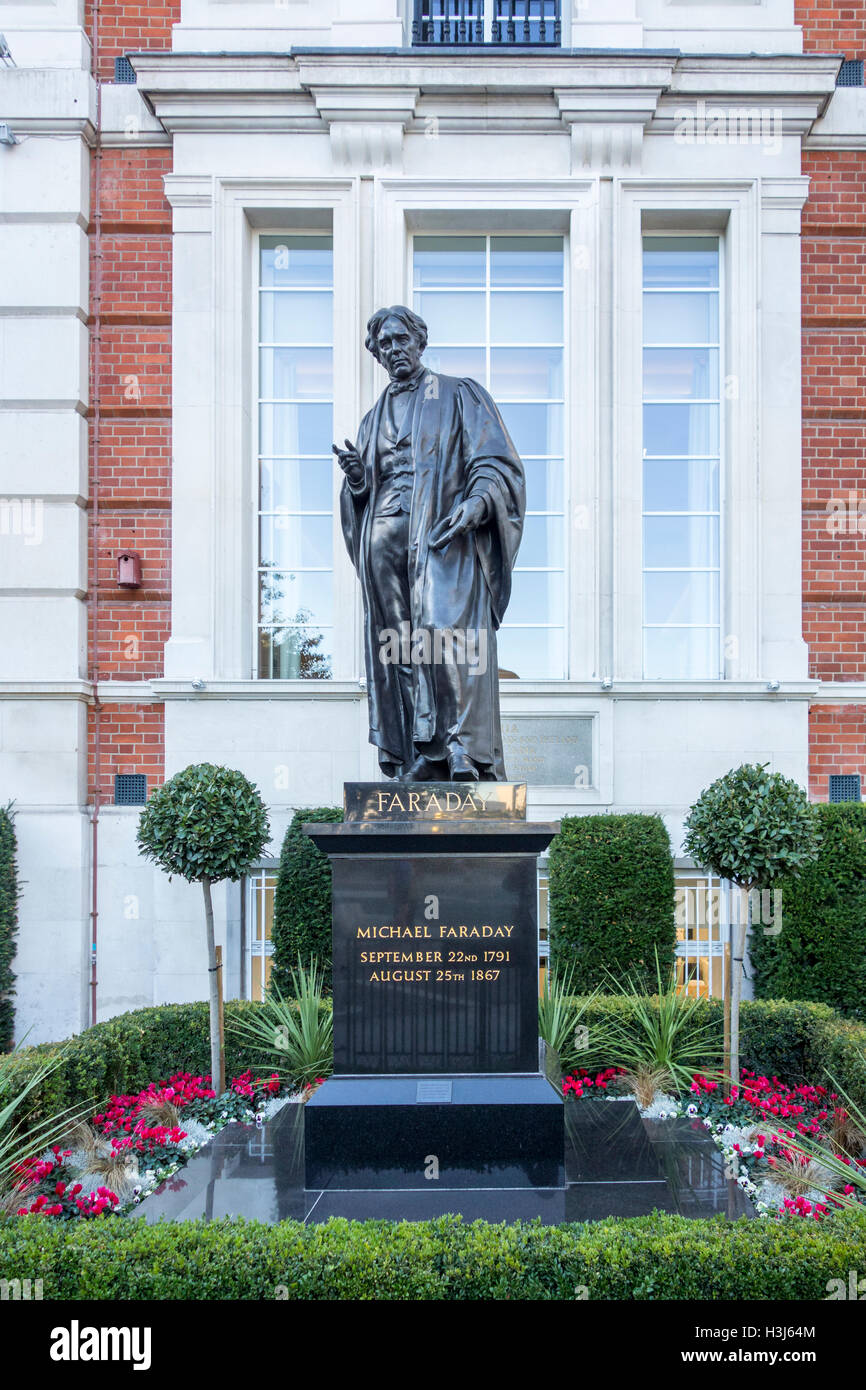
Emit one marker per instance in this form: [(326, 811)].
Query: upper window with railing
[(525, 23)]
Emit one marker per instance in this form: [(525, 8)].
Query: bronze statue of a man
[(432, 509)]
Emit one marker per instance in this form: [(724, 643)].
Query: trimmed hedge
[(9, 895), (124, 1054), (302, 903), (820, 953), (648, 1258), (796, 1041), (612, 898)]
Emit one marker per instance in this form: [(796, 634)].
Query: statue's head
[(397, 338)]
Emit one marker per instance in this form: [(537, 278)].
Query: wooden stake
[(727, 1040), (222, 1025)]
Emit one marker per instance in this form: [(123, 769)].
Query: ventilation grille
[(130, 789), (123, 70), (845, 786), (850, 73)]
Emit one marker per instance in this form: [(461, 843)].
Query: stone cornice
[(592, 91)]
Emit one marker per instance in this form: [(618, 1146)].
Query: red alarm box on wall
[(129, 569)]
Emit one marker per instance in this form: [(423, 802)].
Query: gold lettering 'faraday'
[(464, 933)]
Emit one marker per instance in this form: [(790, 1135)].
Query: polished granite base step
[(463, 1132), (616, 1165)]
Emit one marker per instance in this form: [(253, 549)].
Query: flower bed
[(137, 1142), (757, 1128)]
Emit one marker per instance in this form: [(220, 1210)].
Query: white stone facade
[(273, 120)]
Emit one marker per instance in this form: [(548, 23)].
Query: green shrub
[(612, 898), (820, 953), (124, 1054), (9, 894), (302, 903), (648, 1258)]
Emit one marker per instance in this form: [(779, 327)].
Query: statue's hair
[(413, 322)]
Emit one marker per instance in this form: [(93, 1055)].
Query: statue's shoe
[(422, 770), (462, 768)]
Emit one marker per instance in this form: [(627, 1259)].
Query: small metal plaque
[(434, 1092), (413, 801)]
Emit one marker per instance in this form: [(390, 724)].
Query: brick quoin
[(834, 417), (134, 392)]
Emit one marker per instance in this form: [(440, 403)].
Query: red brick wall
[(130, 26), (132, 739), (832, 26), (134, 392), (837, 743), (834, 416)]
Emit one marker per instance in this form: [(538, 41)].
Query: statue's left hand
[(467, 516)]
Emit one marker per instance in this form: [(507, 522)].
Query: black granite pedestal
[(437, 1082)]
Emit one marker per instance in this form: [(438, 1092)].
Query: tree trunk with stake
[(217, 1061), (737, 987), (727, 960)]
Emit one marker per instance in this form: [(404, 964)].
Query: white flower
[(691, 1110)]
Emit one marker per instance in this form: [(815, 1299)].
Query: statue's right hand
[(350, 461)]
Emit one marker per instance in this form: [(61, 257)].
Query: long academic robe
[(461, 449)]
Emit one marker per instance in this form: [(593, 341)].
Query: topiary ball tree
[(753, 828), (206, 824)]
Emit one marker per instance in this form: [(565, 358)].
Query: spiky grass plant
[(159, 1114), (98, 1163), (846, 1134), (293, 1037), (798, 1172), (643, 1082), (661, 1035), (559, 1015), (117, 1170), (20, 1142), (823, 1154)]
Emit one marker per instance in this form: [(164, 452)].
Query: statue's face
[(399, 349)]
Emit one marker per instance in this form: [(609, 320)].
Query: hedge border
[(794, 1040), (644, 1258), (124, 1054)]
